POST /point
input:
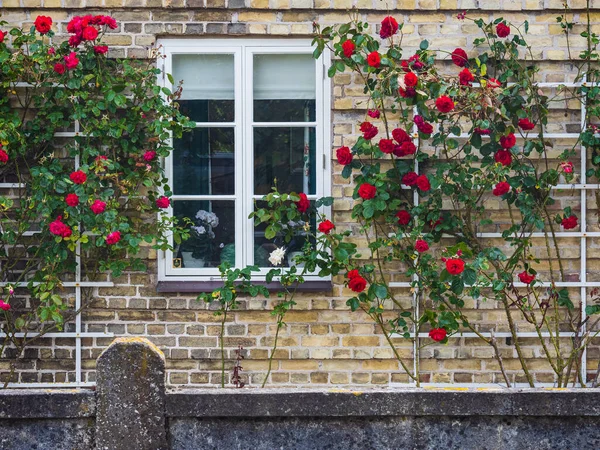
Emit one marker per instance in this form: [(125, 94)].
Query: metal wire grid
[(78, 284), (583, 234)]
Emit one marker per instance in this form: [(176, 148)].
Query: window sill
[(209, 286)]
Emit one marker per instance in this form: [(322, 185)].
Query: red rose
[(113, 237), (407, 93), (569, 223), (326, 226), (459, 57), (374, 113), (100, 49), (149, 155), (410, 179), (406, 148), (75, 40), (58, 228), (344, 156), (43, 24), (567, 166), (389, 27), (386, 146), (353, 274), (444, 104), (72, 200), (482, 131), (526, 124), (90, 33), (108, 21), (493, 83), (465, 77), (423, 183), (348, 47), (374, 59), (501, 188), (508, 141), (2, 34), (303, 204), (59, 68), (414, 61), (400, 135), (3, 156), (51, 51), (163, 202), (421, 246), (357, 283), (4, 306), (368, 130), (78, 177), (502, 30), (71, 60), (455, 266), (403, 217), (424, 127), (526, 278), (438, 334), (410, 79), (503, 157), (98, 207), (367, 191)]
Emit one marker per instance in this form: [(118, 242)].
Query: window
[(259, 108)]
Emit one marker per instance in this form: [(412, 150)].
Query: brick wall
[(323, 342)]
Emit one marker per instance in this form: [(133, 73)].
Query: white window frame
[(243, 51)]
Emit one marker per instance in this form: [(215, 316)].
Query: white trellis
[(78, 284), (583, 234)]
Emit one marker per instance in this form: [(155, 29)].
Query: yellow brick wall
[(323, 343)]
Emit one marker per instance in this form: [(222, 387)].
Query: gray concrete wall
[(148, 417)]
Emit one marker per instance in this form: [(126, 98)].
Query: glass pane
[(285, 156), (208, 110), (284, 88), (208, 86), (212, 234), (263, 247), (203, 162)]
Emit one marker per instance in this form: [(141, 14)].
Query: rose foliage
[(75, 127)]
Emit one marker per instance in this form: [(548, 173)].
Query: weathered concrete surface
[(131, 396), (46, 403), (382, 402), (47, 434), (386, 433)]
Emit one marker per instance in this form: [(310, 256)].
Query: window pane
[(212, 235), (208, 86), (263, 246), (284, 88), (203, 162), (286, 155)]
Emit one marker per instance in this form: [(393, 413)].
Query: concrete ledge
[(46, 404), (372, 403), (53, 404)]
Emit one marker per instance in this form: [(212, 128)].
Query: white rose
[(276, 256)]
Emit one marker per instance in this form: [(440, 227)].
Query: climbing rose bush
[(445, 133), (90, 195)]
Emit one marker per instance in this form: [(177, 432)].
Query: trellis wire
[(583, 234), (77, 284)]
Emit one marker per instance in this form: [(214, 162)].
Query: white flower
[(209, 218), (276, 256), (199, 230)]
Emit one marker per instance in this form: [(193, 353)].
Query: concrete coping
[(382, 402), (61, 403), (46, 403)]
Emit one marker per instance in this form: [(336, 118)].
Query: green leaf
[(469, 276)]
